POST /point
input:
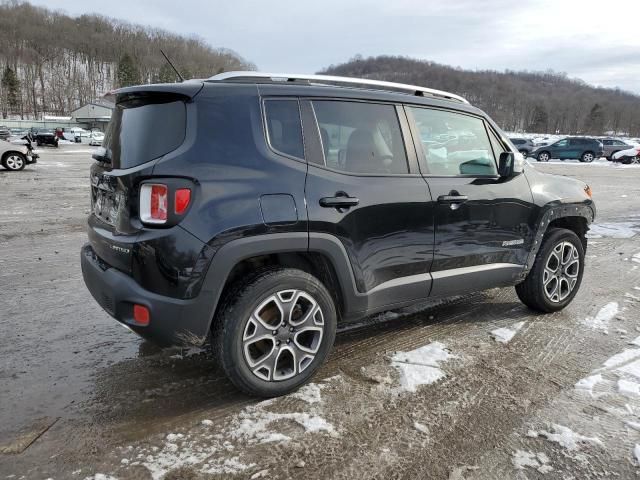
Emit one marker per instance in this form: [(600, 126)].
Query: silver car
[(613, 145), (15, 157)]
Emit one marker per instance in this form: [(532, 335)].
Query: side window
[(361, 137), (607, 142), (561, 143), (284, 130), (575, 142), (454, 143)]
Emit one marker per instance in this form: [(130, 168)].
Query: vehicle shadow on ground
[(161, 389)]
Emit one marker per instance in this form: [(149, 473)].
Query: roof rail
[(330, 79)]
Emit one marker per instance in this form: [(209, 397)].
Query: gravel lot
[(81, 397)]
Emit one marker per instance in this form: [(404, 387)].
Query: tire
[(537, 295), (610, 158), (14, 161), (256, 360), (543, 156), (587, 157)]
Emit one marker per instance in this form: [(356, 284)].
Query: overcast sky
[(597, 41)]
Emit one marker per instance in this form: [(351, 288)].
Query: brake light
[(141, 315), (182, 199), (153, 203)]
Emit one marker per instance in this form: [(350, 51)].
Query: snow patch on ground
[(622, 357), (309, 393), (632, 368), (588, 383), (421, 428), (636, 453), (421, 366), (630, 389), (613, 230), (539, 461), (504, 335), (602, 318), (208, 450), (567, 438), (101, 476)]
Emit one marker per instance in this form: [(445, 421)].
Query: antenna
[(171, 64)]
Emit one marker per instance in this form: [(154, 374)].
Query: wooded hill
[(53, 63), (535, 102)]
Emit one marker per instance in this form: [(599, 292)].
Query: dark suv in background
[(584, 149), (258, 211), (524, 145)]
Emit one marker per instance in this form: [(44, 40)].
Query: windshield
[(143, 128)]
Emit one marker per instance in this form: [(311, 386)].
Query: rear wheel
[(556, 274), (544, 157), (14, 161), (274, 331), (587, 157)]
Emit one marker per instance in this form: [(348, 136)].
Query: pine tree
[(11, 91), (128, 73), (595, 120)]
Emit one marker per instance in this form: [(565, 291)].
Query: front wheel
[(274, 331), (587, 157), (14, 161), (543, 157), (556, 274)]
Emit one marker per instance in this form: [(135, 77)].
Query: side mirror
[(506, 164)]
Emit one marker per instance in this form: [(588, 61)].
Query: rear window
[(284, 130), (144, 128)]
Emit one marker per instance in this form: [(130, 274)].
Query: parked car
[(524, 145), (96, 138), (613, 145), (287, 208), (46, 137), (584, 149), (76, 134), (16, 157), (628, 156), (5, 133)]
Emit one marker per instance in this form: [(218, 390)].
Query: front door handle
[(452, 198), (339, 201)]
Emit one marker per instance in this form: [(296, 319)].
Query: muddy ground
[(81, 397)]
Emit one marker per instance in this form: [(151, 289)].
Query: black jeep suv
[(259, 211)]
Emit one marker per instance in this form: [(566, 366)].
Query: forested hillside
[(518, 101), (54, 63)]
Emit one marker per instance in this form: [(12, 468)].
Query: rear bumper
[(172, 321)]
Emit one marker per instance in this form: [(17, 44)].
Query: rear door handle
[(452, 198), (339, 201)]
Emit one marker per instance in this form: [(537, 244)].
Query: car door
[(482, 221), (364, 189), (560, 149)]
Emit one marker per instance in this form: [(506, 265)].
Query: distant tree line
[(535, 102), (53, 63)]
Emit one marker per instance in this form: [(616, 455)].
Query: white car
[(630, 155), (96, 138)]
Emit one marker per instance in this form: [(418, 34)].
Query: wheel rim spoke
[(283, 335), (561, 271)]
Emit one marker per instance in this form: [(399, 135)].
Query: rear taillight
[(182, 199), (154, 203)]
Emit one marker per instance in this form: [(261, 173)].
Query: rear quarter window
[(284, 130)]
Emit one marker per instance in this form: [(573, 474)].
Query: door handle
[(339, 201), (452, 198)]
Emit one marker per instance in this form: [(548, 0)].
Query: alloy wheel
[(635, 160), (561, 271), (14, 162), (588, 157), (283, 335), (543, 157)]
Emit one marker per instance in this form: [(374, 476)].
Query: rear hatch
[(146, 124)]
